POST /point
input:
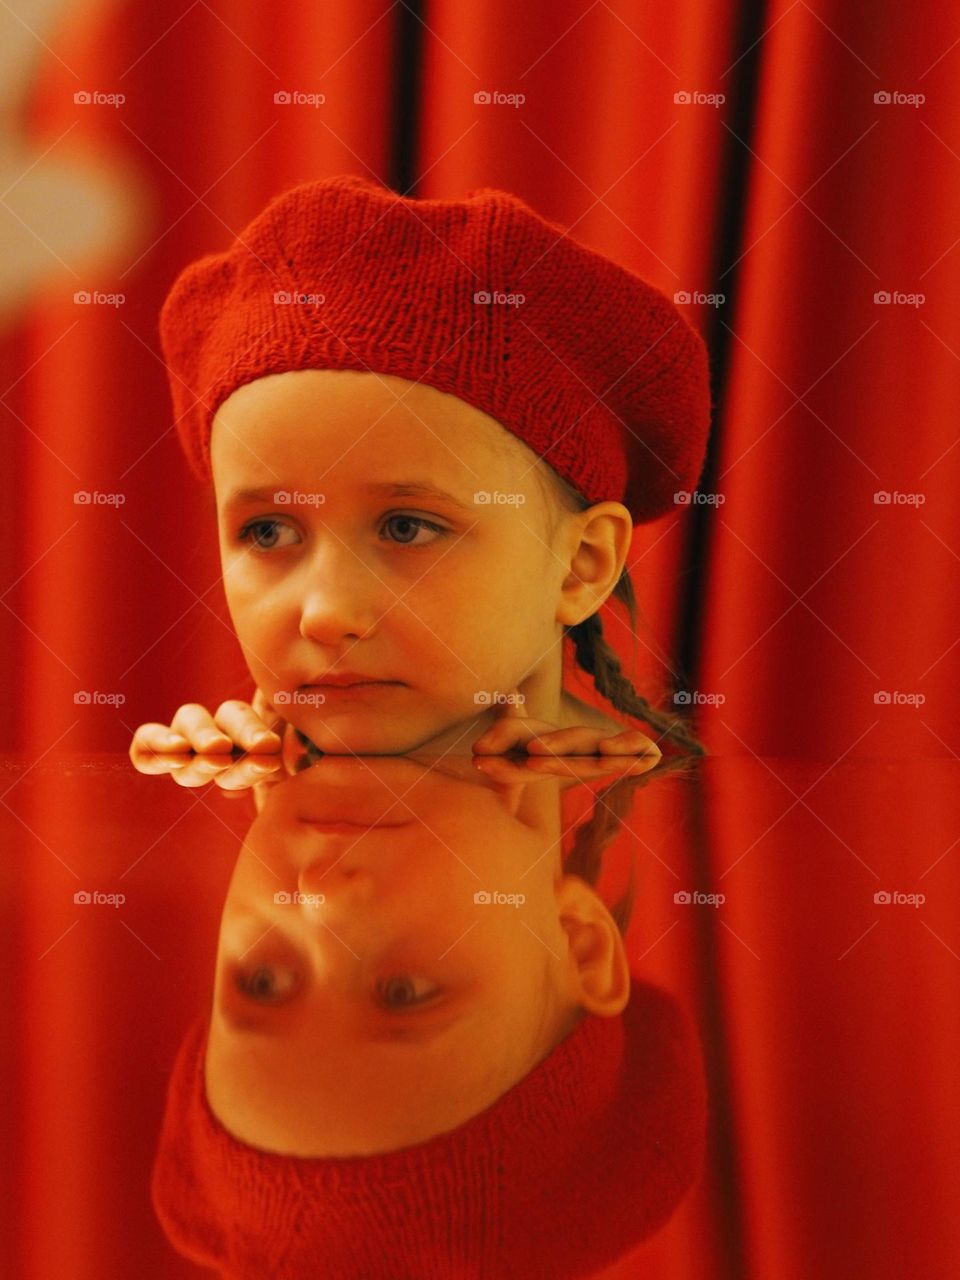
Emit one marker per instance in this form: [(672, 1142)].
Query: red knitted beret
[(594, 369), (586, 1156)]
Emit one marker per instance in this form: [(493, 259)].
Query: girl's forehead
[(350, 420), (345, 391)]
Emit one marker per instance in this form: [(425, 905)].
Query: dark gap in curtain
[(741, 86), (408, 63)]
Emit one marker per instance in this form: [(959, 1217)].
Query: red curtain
[(785, 591)]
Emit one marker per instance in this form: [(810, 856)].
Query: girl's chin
[(353, 734)]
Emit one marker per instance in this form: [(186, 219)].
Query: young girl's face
[(379, 560), (386, 1003)]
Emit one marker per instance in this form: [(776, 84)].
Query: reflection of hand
[(251, 726), (513, 731), (230, 774), (503, 769)]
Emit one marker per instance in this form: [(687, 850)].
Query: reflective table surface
[(295, 975)]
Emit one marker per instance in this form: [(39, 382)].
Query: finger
[(246, 773), (509, 733), (581, 768), (158, 737), (199, 728), (513, 769), (576, 741), (200, 770), (522, 769), (504, 770), (155, 763), (630, 743), (587, 768), (240, 722)]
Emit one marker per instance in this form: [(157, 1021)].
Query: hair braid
[(593, 654), (596, 657)]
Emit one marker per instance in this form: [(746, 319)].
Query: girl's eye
[(263, 534), (263, 985), (406, 529), (402, 992), (260, 534)]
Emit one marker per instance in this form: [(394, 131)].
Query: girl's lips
[(353, 690)]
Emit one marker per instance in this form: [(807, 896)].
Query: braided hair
[(598, 659), (595, 656)]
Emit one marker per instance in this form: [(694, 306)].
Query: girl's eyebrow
[(240, 496), (419, 489), (400, 489)]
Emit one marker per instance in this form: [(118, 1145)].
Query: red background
[(798, 198)]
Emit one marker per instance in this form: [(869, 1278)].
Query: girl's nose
[(339, 605), (336, 881)]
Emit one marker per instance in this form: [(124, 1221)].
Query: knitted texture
[(586, 1156), (595, 370)]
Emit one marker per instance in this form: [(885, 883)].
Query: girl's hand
[(513, 731), (509, 770), (254, 727)]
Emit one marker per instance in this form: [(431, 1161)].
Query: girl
[(430, 427)]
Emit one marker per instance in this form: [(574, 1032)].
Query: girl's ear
[(598, 544), (598, 973)]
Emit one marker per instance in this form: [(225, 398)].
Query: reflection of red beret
[(589, 1154), (595, 369)]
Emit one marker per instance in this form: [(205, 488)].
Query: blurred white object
[(65, 211)]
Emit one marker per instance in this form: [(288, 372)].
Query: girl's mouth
[(361, 688)]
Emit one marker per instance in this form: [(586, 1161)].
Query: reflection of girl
[(402, 1078), (430, 427)]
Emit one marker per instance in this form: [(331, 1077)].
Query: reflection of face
[(399, 1006), (443, 597)]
